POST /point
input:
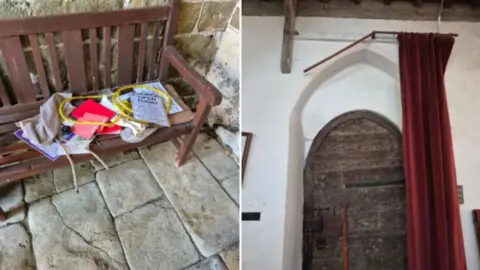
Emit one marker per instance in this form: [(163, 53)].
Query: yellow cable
[(122, 108)]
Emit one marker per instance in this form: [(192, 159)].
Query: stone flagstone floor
[(144, 213)]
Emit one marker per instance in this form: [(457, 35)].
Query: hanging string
[(439, 16)]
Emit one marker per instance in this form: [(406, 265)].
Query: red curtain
[(476, 223), (434, 233)]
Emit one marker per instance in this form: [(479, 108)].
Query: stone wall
[(225, 74), (208, 37)]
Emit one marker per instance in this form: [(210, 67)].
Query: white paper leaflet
[(174, 108), (148, 106)]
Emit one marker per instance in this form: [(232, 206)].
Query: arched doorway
[(355, 163)]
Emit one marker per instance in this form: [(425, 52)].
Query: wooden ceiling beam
[(466, 11), (290, 8), (417, 3), (447, 3), (475, 4)]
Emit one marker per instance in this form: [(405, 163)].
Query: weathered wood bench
[(137, 45)]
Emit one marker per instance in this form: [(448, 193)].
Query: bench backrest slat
[(72, 42), (107, 63), (17, 69), (126, 34), (37, 57), (52, 54), (142, 48), (152, 67), (92, 34)]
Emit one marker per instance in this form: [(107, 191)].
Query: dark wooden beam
[(397, 10), (475, 4), (290, 9), (447, 3), (417, 3)]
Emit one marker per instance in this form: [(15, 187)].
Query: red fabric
[(476, 222), (434, 233)]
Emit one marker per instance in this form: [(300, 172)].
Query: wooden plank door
[(356, 160)]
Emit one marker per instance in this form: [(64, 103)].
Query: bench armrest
[(204, 88)]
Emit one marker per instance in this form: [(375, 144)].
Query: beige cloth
[(128, 136), (43, 128)]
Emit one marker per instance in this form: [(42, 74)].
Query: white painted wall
[(284, 112)]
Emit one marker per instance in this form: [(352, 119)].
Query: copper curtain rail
[(371, 35)]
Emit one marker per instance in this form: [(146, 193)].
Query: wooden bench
[(136, 44)]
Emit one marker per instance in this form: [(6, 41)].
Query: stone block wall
[(225, 74), (208, 37)]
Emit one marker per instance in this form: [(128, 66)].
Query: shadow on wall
[(292, 258)]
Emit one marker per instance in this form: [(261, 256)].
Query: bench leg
[(203, 109)]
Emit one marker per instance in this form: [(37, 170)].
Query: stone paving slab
[(232, 186), (113, 160), (86, 213), (11, 197), (212, 263), (58, 246), (153, 238), (214, 157), (208, 213), (231, 257), (15, 251), (128, 186), (63, 177), (39, 186)]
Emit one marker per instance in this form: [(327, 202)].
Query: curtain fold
[(476, 223), (434, 233)]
